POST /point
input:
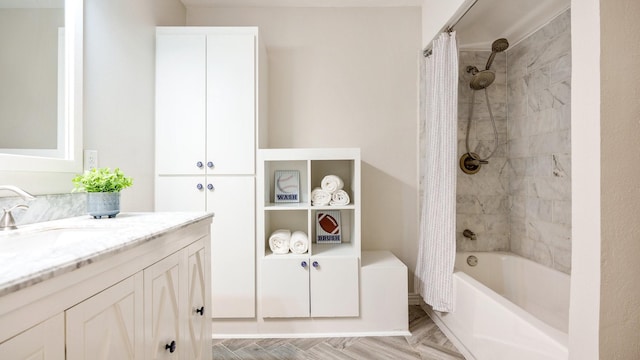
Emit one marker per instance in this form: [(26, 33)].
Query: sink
[(38, 240)]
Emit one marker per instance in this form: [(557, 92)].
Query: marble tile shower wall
[(539, 102), (482, 198)]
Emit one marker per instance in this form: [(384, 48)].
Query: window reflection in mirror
[(38, 172), (32, 43)]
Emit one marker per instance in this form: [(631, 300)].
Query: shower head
[(499, 45), (481, 80)]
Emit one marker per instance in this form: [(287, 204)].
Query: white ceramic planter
[(101, 204)]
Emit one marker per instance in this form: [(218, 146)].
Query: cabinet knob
[(199, 186), (210, 164), (200, 311), (210, 187), (315, 264), (171, 347), (303, 264), (199, 164)]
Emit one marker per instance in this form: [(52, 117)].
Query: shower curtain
[(437, 243)]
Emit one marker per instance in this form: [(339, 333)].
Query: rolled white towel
[(331, 183), (279, 241), (340, 198), (320, 197), (299, 242)]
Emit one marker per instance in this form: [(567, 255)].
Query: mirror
[(40, 91)]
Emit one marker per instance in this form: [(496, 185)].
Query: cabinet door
[(180, 193), (285, 287), (232, 200), (109, 324), (163, 297), (231, 87), (43, 341), (334, 286), (198, 335), (180, 103)]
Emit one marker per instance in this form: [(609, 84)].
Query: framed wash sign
[(286, 186)]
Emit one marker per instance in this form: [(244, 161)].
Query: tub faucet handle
[(469, 234)]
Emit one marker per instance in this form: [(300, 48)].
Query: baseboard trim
[(415, 299), (310, 335)]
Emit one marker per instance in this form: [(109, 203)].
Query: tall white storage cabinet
[(207, 110), (324, 281)]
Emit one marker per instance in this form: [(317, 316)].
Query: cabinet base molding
[(383, 309), (311, 335)]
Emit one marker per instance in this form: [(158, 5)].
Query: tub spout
[(469, 234)]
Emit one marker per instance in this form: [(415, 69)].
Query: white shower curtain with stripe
[(437, 243)]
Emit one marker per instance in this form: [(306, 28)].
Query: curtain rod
[(428, 51)]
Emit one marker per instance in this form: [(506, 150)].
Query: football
[(328, 223)]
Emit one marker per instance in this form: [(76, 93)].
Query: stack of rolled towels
[(283, 240), (330, 192)]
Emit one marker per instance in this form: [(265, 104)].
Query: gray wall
[(539, 113), (482, 198)]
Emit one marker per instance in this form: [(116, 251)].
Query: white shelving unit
[(313, 165), (313, 278)]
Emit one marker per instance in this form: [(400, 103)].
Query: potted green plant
[(103, 190)]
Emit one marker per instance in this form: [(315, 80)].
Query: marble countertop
[(37, 252)]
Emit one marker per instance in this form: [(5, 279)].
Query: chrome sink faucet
[(7, 222)]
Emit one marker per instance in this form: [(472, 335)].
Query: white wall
[(119, 82), (436, 14), (620, 193), (585, 148), (347, 77)]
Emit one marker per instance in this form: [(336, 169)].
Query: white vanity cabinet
[(43, 341), (109, 324), (174, 292), (149, 302), (207, 110)]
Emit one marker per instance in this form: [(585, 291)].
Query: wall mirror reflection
[(40, 85), (32, 71)]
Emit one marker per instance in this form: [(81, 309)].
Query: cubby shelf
[(313, 165), (308, 283)]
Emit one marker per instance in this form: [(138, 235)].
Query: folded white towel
[(340, 198), (320, 197), (299, 242), (279, 241), (331, 183)]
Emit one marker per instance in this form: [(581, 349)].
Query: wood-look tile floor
[(426, 342)]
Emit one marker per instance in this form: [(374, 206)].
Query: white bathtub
[(507, 307)]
